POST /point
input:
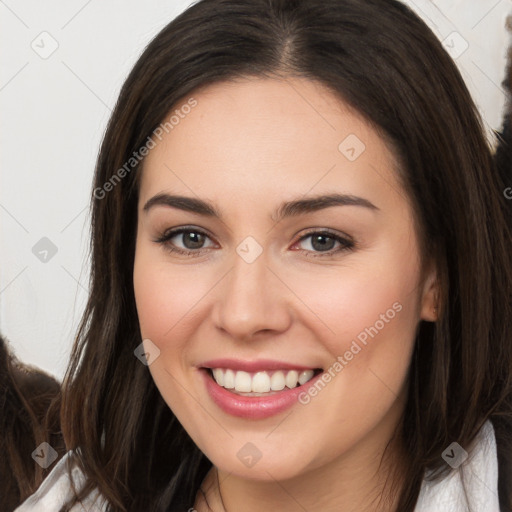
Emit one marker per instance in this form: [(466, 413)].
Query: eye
[(324, 242), (191, 239)]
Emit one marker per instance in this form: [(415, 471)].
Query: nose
[(252, 300)]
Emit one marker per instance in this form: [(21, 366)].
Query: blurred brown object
[(29, 415), (503, 154)]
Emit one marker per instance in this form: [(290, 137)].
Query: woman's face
[(267, 288)]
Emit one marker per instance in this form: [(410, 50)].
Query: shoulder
[(475, 476), (56, 490)]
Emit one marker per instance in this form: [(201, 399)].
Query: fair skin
[(247, 147)]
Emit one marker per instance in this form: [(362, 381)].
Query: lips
[(253, 366), (255, 389)]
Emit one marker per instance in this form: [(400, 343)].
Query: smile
[(259, 383), (258, 389)]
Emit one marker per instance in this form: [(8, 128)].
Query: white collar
[(480, 474)]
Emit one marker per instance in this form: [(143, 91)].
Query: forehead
[(268, 137)]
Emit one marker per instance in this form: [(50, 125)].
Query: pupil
[(195, 243), (322, 245)]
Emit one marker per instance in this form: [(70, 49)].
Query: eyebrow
[(286, 209)]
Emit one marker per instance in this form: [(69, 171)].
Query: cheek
[(357, 301), (374, 306), (164, 296), (367, 323), (164, 299)]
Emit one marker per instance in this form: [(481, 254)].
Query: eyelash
[(347, 244)]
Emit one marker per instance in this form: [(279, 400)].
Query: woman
[(300, 275), (29, 404)]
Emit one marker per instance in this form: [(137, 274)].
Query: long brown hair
[(382, 59), (29, 416)]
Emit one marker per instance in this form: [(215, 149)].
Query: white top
[(56, 490), (480, 470)]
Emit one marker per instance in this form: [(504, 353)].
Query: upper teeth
[(260, 382)]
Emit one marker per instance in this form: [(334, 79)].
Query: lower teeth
[(241, 393)]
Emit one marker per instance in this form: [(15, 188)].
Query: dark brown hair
[(382, 59), (29, 405)]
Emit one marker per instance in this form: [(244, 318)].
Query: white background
[(54, 112)]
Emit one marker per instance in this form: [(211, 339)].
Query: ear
[(429, 299)]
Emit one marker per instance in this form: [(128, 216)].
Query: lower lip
[(254, 407)]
